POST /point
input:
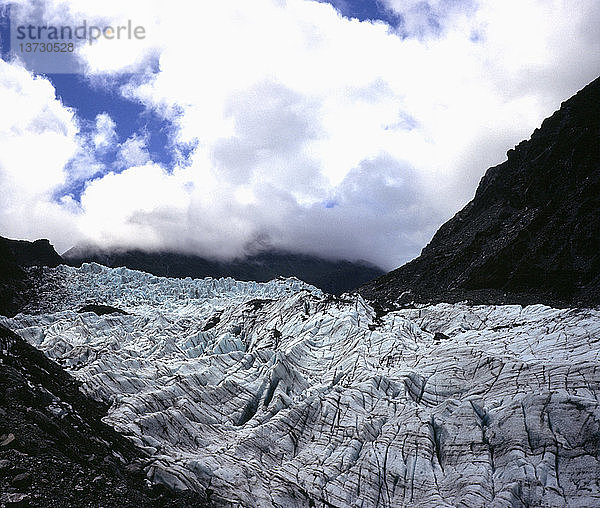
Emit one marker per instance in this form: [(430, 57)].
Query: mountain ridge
[(334, 277), (531, 234)]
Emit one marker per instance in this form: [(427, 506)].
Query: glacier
[(278, 395)]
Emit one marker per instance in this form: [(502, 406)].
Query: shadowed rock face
[(37, 253), (100, 310), (332, 276), (531, 234), (16, 282), (13, 281)]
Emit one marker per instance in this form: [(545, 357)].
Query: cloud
[(309, 130), (422, 18), (105, 135), (37, 140), (133, 152), (381, 194)]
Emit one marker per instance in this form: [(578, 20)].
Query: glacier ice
[(275, 394)]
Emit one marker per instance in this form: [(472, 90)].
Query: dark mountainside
[(334, 277), (38, 253), (530, 235), (54, 448), (15, 282)]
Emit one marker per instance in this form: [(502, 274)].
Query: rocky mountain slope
[(37, 253), (54, 448), (335, 277), (531, 234), (276, 395), (16, 282), (13, 282)]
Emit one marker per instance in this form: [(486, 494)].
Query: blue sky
[(366, 10), (348, 132), (77, 91), (131, 118)]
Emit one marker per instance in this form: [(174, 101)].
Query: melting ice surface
[(273, 394)]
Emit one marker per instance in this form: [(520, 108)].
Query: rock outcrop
[(531, 234), (16, 282), (36, 253)]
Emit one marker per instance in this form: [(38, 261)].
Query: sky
[(345, 129)]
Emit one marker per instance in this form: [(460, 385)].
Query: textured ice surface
[(277, 395)]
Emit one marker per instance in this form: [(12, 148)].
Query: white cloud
[(37, 139), (123, 201), (292, 106), (423, 18), (105, 135), (133, 152)]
